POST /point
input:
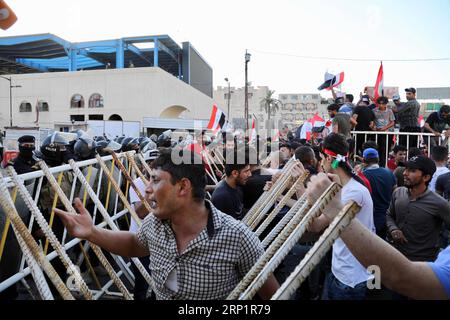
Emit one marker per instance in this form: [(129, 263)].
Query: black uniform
[(24, 162), (23, 165)]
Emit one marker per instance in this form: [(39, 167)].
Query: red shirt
[(392, 165)]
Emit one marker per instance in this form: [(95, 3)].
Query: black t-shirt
[(254, 188), (228, 200), (437, 122), (443, 185), (365, 116)]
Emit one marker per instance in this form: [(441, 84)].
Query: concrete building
[(237, 102), (432, 99), (61, 85), (69, 98), (298, 107)]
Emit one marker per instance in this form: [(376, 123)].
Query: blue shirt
[(441, 267), (382, 182)]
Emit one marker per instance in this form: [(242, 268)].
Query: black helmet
[(129, 144), (151, 154), (80, 133), (84, 148), (100, 146), (164, 140), (114, 146), (149, 146), (54, 148), (99, 138), (142, 139), (154, 137), (143, 143)]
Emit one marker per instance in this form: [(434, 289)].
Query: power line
[(349, 59)]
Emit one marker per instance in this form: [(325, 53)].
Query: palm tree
[(270, 104)]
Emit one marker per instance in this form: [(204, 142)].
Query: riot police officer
[(24, 162)]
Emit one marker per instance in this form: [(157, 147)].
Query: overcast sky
[(222, 30)]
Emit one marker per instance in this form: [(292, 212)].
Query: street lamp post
[(247, 60), (229, 97), (10, 97)]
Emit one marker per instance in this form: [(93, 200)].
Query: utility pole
[(247, 60), (229, 97)]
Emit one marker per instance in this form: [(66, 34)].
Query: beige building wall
[(237, 103), (298, 107), (130, 93)]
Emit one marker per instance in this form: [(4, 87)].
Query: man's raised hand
[(79, 226)]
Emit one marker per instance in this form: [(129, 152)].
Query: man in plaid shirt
[(196, 251)]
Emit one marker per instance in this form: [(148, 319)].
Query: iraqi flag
[(379, 87), (332, 80), (217, 120), (7, 16), (314, 122)]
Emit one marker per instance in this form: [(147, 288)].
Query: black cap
[(412, 90), (422, 163), (26, 139)]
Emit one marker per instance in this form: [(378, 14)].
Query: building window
[(42, 106), (25, 107), (77, 101), (96, 101), (77, 117), (283, 97), (294, 97), (95, 117)]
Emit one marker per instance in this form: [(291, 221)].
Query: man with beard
[(228, 196), (407, 117), (417, 280), (24, 162), (12, 255), (196, 252), (415, 215)]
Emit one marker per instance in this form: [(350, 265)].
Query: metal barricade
[(92, 187), (393, 137)]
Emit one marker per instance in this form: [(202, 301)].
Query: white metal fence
[(392, 138), (109, 201)]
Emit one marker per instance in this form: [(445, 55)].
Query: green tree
[(270, 104)]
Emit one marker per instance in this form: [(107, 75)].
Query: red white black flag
[(332, 80), (217, 120), (379, 87)]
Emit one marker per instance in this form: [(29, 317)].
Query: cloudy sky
[(276, 33)]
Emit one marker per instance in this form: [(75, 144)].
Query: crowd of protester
[(401, 186)]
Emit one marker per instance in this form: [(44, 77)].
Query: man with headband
[(348, 278)]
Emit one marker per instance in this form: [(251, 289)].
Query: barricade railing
[(387, 139)]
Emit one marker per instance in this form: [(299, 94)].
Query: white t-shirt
[(439, 171), (140, 185), (344, 265)]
